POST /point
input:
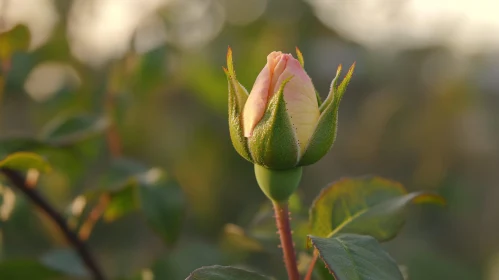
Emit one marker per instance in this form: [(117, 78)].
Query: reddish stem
[(284, 230), (310, 270), (93, 217)]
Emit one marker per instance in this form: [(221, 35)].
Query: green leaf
[(356, 257), (121, 173), (68, 130), (274, 144), (384, 220), (217, 272), (27, 269), (162, 203), (65, 261), (132, 186), (122, 202), (21, 144), (150, 71), (372, 206), (18, 38), (22, 161)]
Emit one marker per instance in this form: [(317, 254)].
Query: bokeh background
[(421, 109)]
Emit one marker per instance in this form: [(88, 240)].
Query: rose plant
[(280, 126)]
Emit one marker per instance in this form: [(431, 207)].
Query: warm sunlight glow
[(40, 16), (463, 25)]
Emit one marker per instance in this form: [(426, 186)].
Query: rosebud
[(282, 123)]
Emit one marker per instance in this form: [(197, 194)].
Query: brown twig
[(310, 270), (284, 230), (19, 182), (94, 216)]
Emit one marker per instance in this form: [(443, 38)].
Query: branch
[(93, 217), (18, 181)]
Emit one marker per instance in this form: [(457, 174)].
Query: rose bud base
[(278, 185)]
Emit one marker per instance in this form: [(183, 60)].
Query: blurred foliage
[(143, 137)]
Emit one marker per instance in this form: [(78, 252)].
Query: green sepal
[(273, 143), (318, 97), (325, 133), (344, 84), (299, 55), (332, 90), (237, 98)]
